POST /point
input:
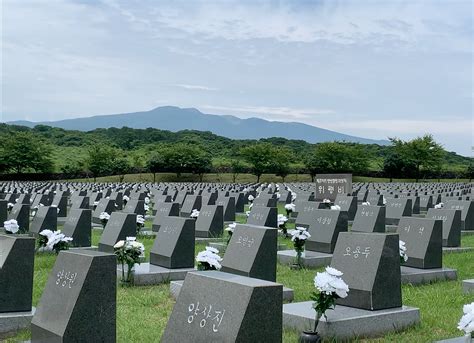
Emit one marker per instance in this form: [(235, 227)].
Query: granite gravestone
[(239, 201), (119, 227), (229, 207), (80, 202), (210, 222), (375, 199), (219, 307), (451, 223), (306, 212), (467, 212), (192, 202), (105, 205), (325, 230), (265, 201), (423, 239), (17, 255), (252, 252), (371, 266), (168, 209), (369, 219), (3, 211), (426, 202), (60, 202), (263, 216), (79, 301), (78, 226), (174, 244), (347, 204), (46, 218), (328, 186), (135, 206), (21, 213), (117, 198), (397, 208)]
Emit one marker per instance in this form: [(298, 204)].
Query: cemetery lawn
[(142, 312)]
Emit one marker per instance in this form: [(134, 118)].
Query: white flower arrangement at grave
[(95, 204), (281, 219), (335, 207), (250, 206), (466, 323), (293, 196), (230, 230), (104, 218), (278, 195), (366, 203), (289, 208), (247, 213), (146, 207), (439, 206), (53, 241), (299, 236), (402, 251), (140, 223), (251, 198), (10, 207), (326, 201), (330, 287), (129, 252), (194, 214), (11, 226), (209, 259), (57, 209), (125, 199), (147, 200), (384, 200)]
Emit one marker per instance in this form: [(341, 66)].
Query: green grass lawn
[(142, 312)]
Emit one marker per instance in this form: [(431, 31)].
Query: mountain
[(175, 119)]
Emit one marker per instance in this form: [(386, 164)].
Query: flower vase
[(310, 337)]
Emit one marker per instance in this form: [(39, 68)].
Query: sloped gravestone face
[(229, 207), (325, 230), (135, 206), (221, 307), (423, 239), (119, 227), (328, 186), (61, 203), (80, 202), (426, 202), (79, 300), (263, 216), (265, 201), (105, 205), (16, 273), (467, 212), (210, 222), (371, 266), (451, 222), (306, 212), (174, 244), (46, 218), (21, 213), (164, 210), (375, 199), (396, 208), (369, 219), (348, 204), (252, 252), (190, 203), (78, 226), (3, 211)]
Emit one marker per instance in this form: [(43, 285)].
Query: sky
[(374, 69)]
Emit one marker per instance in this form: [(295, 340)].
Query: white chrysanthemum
[(11, 226), (366, 203), (299, 233), (333, 271), (140, 219), (384, 200), (336, 207), (290, 207), (281, 219), (209, 257), (46, 233), (125, 198), (10, 205), (467, 320), (328, 283), (147, 208), (131, 239), (403, 250), (104, 216), (213, 250), (119, 244), (147, 200), (251, 197), (96, 203), (231, 227), (194, 213), (439, 206), (278, 195)]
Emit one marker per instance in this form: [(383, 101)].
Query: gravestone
[(467, 212), (328, 186), (426, 202), (371, 266), (166, 209), (375, 199), (3, 211), (451, 224), (119, 227), (192, 202), (423, 239), (396, 208), (207, 310), (252, 252), (263, 216), (78, 226), (229, 207), (79, 300), (105, 205), (16, 273), (239, 201), (135, 206), (21, 213), (369, 219), (325, 230), (265, 201), (306, 212), (61, 203), (80, 202), (210, 222), (174, 244), (347, 204), (46, 218)]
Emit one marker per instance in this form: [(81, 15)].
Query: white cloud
[(196, 87)]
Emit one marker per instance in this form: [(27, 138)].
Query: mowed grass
[(143, 312)]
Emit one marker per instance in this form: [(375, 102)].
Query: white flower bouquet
[(299, 237), (230, 230), (129, 252), (104, 218), (251, 198), (53, 240), (403, 252), (289, 208), (194, 214), (140, 223), (282, 224), (10, 207), (209, 259), (125, 199), (11, 226), (466, 323)]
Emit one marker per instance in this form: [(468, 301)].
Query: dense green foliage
[(118, 151)]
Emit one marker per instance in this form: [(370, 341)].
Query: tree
[(156, 164), (395, 166), (470, 171), (422, 152), (120, 166), (237, 168), (281, 162), (100, 160), (260, 156), (25, 151)]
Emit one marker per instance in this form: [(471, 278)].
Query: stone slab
[(175, 288), (467, 232), (454, 250), (310, 259), (464, 339), (346, 323), (14, 321), (207, 239), (149, 274), (391, 228), (468, 286), (417, 276)]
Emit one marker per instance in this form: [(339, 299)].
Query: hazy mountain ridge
[(176, 119)]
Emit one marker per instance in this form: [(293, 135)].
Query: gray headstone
[(79, 301), (347, 204), (166, 209), (80, 202), (46, 218), (220, 307), (325, 230), (263, 216), (119, 227), (135, 206), (78, 226), (174, 244), (371, 266), (396, 208), (306, 211), (192, 202), (229, 207), (423, 238), (451, 222), (105, 205), (3, 211), (21, 213), (265, 201), (252, 252), (61, 203), (328, 186), (17, 255), (467, 212), (210, 222), (369, 219)]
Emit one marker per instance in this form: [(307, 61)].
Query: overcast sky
[(374, 69)]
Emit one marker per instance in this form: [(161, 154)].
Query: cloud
[(196, 87)]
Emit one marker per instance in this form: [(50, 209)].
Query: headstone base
[(468, 286), (464, 339), (417, 276), (467, 233), (148, 233), (391, 228), (175, 288), (149, 274), (207, 239), (310, 259), (14, 321), (453, 250), (346, 323)]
